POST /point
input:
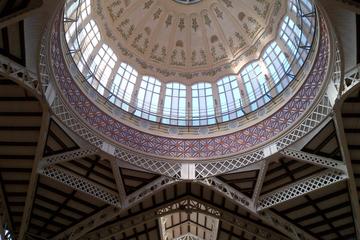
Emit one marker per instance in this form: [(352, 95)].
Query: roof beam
[(109, 213), (81, 183), (68, 156), (34, 174), (260, 182), (229, 192), (187, 203), (300, 188), (313, 159), (354, 198), (119, 182), (272, 219), (5, 217), (19, 15), (20, 75)]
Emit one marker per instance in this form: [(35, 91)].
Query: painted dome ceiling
[(206, 39)]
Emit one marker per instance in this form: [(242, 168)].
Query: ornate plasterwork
[(190, 43)]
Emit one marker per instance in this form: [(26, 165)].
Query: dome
[(190, 63), (269, 103)]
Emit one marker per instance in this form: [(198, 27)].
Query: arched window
[(102, 66), (174, 111), (85, 9), (73, 11), (277, 65), (303, 9), (148, 98), (88, 39), (70, 13), (255, 84), (292, 37), (123, 85), (203, 111), (230, 98)]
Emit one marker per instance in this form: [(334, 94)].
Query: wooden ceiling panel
[(324, 213), (285, 171), (134, 180), (243, 181)]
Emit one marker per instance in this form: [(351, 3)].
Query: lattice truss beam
[(187, 203), (19, 74), (351, 79), (336, 171), (188, 236), (333, 174)]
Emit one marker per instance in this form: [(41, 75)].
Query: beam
[(82, 184), (5, 217), (260, 181), (184, 204), (313, 159), (227, 191), (34, 174), (15, 17), (354, 198), (67, 156), (351, 80), (300, 188), (119, 182), (272, 219), (109, 213), (132, 221), (20, 75)]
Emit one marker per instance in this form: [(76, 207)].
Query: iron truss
[(204, 173)]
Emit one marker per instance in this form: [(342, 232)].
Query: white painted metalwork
[(185, 204), (229, 192), (260, 181), (203, 170), (41, 143), (73, 122), (188, 236), (284, 226), (313, 159), (351, 79), (319, 113), (302, 187), (119, 182), (152, 164), (20, 74), (115, 229), (351, 183), (188, 204), (67, 156), (256, 230), (148, 190), (98, 219), (81, 184), (4, 212)]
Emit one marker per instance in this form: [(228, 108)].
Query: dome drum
[(304, 109)]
